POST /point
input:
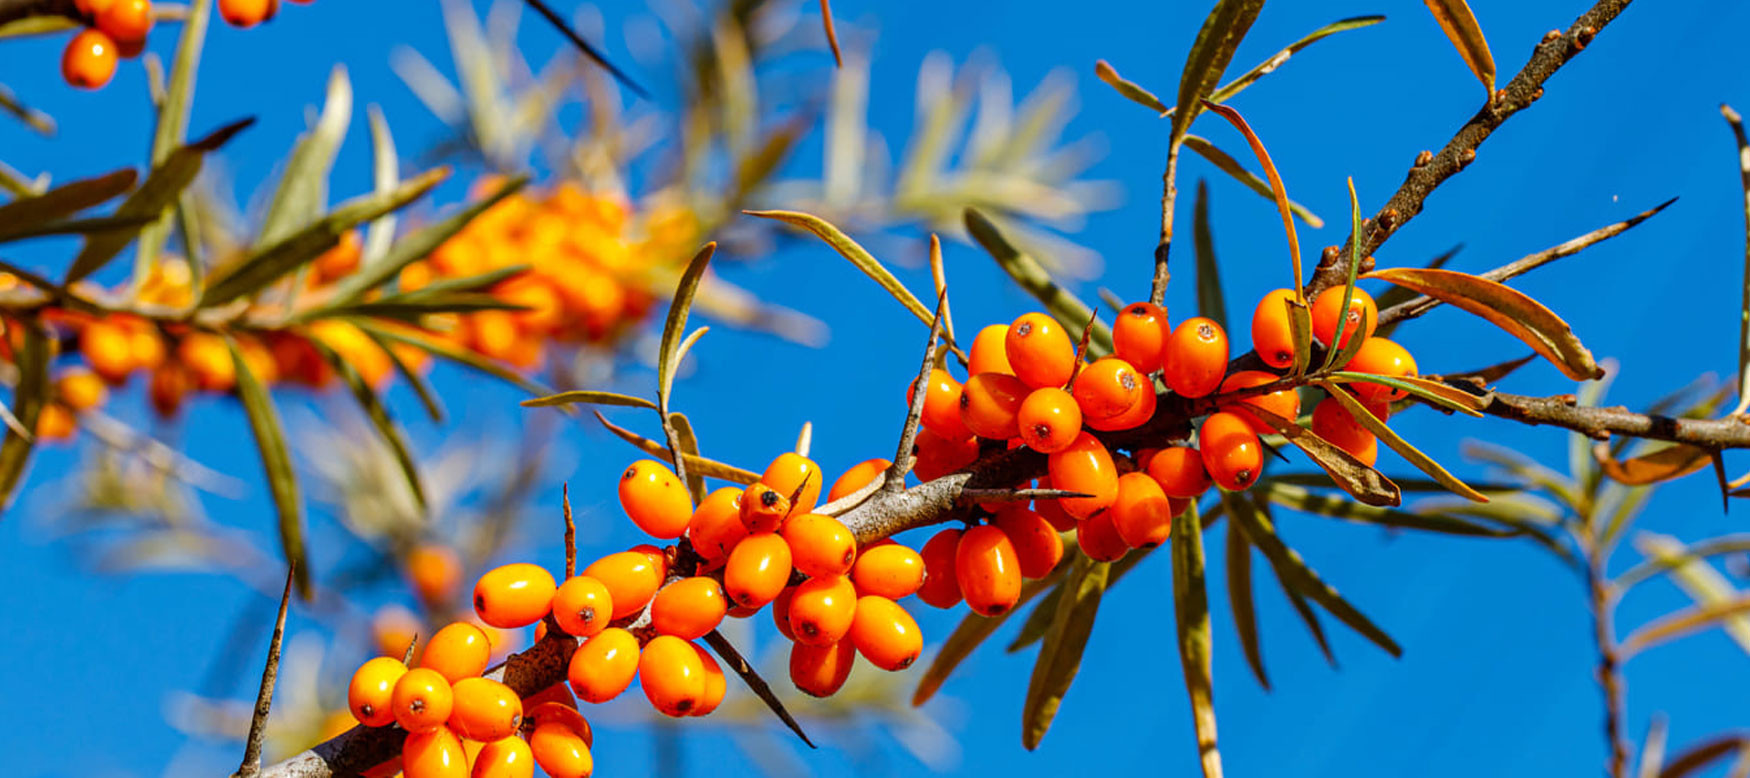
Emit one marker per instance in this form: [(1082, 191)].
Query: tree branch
[(15, 10)]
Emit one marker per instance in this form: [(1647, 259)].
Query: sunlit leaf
[(687, 442), (1060, 656), (1667, 463), (1234, 87), (1442, 394), (173, 123), (1410, 453), (1191, 615), (1300, 329), (1352, 475), (1227, 164), (1210, 54), (276, 460), (1296, 573), (1696, 577), (385, 175), (1505, 307), (1277, 189), (1685, 622), (28, 398), (1460, 26), (1129, 89), (302, 194), (709, 468), (589, 397), (859, 256), (668, 355), (446, 350)]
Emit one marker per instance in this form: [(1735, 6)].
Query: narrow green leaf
[(414, 309), (65, 200), (1685, 622), (1297, 574), (973, 630), (1441, 394), (28, 399), (1405, 484), (1300, 328), (421, 387), (1211, 303), (1505, 307), (1352, 475), (385, 424), (161, 188), (1191, 615), (453, 353), (710, 468), (1227, 164), (1295, 598), (42, 123), (1234, 87), (386, 175), (859, 256), (1460, 26), (1210, 54), (687, 441), (282, 481), (1039, 620), (668, 353), (96, 227), (1069, 311), (47, 24), (1336, 354), (1129, 89), (302, 194), (273, 261), (1697, 578), (1667, 554), (1060, 657), (172, 126), (1391, 438), (1301, 499), (1239, 597), (417, 245), (589, 397)]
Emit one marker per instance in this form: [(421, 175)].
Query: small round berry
[(716, 685), (689, 608), (603, 665), (941, 405), (1038, 547), (820, 671), (631, 577), (1326, 310), (561, 711), (1039, 351), (1049, 420), (1231, 451), (1108, 388), (1098, 538), (583, 606), (822, 609), (1272, 334), (988, 570), (891, 570), (655, 499), (422, 700), (763, 509), (247, 13), (990, 405), (1139, 336), (457, 651), (797, 478), (860, 475), (758, 569), (989, 352), (80, 389), (1196, 358), (1085, 466), (716, 525), (1332, 421), (672, 675), (885, 634), (938, 456), (126, 20), (941, 586), (508, 757), (485, 710), (1385, 358), (820, 546), (370, 695), (435, 572), (88, 62), (1131, 419), (1283, 402), (515, 595), (1142, 515), (560, 752), (435, 752), (1179, 471), (781, 612)]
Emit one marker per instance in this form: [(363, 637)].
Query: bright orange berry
[(1142, 515), (370, 695), (820, 546), (689, 608), (821, 610), (1196, 357), (208, 359), (860, 475), (1326, 310), (1135, 417), (631, 578), (1283, 402), (603, 665), (820, 671), (1049, 420), (562, 711), (797, 478), (126, 20), (80, 389), (655, 499), (989, 573), (1139, 336), (885, 634), (393, 629), (1333, 422), (459, 650), (56, 423), (1084, 466), (560, 752), (1179, 471), (758, 569), (1231, 451), (941, 587), (716, 685), (1381, 357), (583, 606), (435, 752), (1098, 538), (716, 525), (1039, 351), (515, 595), (941, 405), (672, 675), (990, 404), (508, 757), (781, 612), (890, 570), (421, 700), (989, 351), (1052, 511), (485, 710), (1272, 335), (938, 456), (247, 13), (1108, 388), (763, 509), (435, 571), (1038, 548)]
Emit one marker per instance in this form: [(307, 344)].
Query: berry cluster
[(116, 29)]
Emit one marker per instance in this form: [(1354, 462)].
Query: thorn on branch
[(903, 459), (251, 765), (761, 689), (570, 531)]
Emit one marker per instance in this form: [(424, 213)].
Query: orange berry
[(560, 752), (758, 569), (435, 752), (436, 571), (459, 650), (631, 578), (860, 475), (1283, 402), (1084, 466), (988, 571), (820, 546), (393, 629), (107, 347), (89, 60), (421, 700), (370, 695), (126, 20), (1231, 451), (1038, 548), (247, 13), (941, 587), (1039, 351), (821, 610), (208, 359), (1142, 514), (603, 665), (781, 612), (485, 710), (55, 422), (1326, 310), (938, 456), (989, 351), (797, 478), (941, 405), (890, 570), (1139, 336), (1333, 422), (1108, 388), (885, 634), (1381, 357), (1272, 335), (763, 509), (716, 525), (990, 405), (672, 675), (1098, 538), (515, 595), (91, 8), (716, 685), (1049, 420), (655, 499), (508, 757), (820, 671), (1138, 414), (562, 712), (1179, 471), (1196, 357), (689, 608), (582, 606)]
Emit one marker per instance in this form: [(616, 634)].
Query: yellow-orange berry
[(55, 423), (485, 710), (821, 610), (562, 712), (1196, 357), (1084, 466), (603, 665), (1098, 538), (560, 752), (672, 675), (1135, 417), (990, 405), (421, 700), (781, 612), (885, 634), (1231, 451), (716, 525), (689, 608), (1139, 336), (1332, 421), (1385, 358), (860, 475), (370, 694), (988, 570), (393, 629), (459, 650), (1039, 351), (1108, 388), (106, 345), (797, 478), (515, 595), (989, 351), (508, 757), (890, 570), (1179, 471), (941, 587), (1049, 420), (1038, 548), (757, 570), (716, 685), (583, 606), (1142, 514), (247, 13), (938, 456), (655, 499), (208, 359), (763, 509), (820, 546), (435, 571), (1283, 402), (631, 577), (435, 752), (820, 671), (941, 412), (1326, 310), (126, 20), (1272, 335), (80, 389)]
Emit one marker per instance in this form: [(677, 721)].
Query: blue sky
[(1497, 674)]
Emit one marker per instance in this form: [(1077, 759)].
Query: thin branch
[(757, 684), (1164, 248), (570, 532), (1600, 423), (264, 699), (1609, 661), (14, 10), (584, 46), (908, 434)]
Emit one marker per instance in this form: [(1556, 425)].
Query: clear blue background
[(1497, 676)]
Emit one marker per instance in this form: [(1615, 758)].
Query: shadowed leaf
[(1211, 303), (1704, 754), (1060, 656), (446, 350), (1191, 614), (302, 194), (972, 631), (1239, 597), (1234, 87), (1039, 620), (1210, 54), (1505, 307), (28, 398), (1300, 329), (1391, 438), (1460, 26), (1350, 474), (1295, 573), (1295, 497), (380, 419), (276, 460), (173, 125), (64, 201)]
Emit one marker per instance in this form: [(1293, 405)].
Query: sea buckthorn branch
[(1599, 423), (1431, 170), (14, 10)]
